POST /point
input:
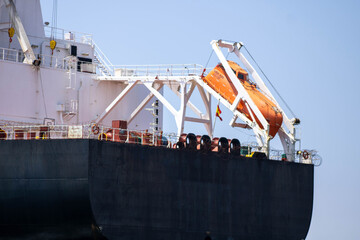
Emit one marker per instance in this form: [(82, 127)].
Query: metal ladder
[(103, 64)]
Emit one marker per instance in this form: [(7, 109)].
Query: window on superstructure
[(240, 76)]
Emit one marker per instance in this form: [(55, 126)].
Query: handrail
[(108, 69), (101, 52), (85, 131), (73, 36), (13, 55), (104, 62), (158, 70), (102, 132)]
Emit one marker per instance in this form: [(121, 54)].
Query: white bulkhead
[(64, 87)]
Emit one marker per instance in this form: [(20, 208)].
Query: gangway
[(183, 79)]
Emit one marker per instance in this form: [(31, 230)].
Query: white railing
[(49, 61), (106, 68), (68, 35), (145, 137), (87, 131), (104, 64), (313, 157), (158, 70), (11, 55)]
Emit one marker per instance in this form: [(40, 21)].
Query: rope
[(209, 59), (282, 99), (54, 20), (203, 72)]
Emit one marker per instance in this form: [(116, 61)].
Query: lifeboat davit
[(218, 80)]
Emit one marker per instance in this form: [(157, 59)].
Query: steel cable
[(282, 99)]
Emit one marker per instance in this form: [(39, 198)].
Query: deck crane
[(20, 32)]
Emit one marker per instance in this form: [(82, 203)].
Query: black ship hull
[(139, 192), (44, 189)]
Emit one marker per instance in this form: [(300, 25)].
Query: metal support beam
[(261, 135), (190, 91), (287, 139), (206, 97), (143, 104), (161, 98), (180, 117), (288, 144), (233, 123), (260, 83), (239, 87), (198, 120), (224, 102), (189, 103), (206, 119), (116, 101)]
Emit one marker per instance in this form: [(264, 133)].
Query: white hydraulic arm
[(20, 32), (262, 135), (260, 83), (288, 139)]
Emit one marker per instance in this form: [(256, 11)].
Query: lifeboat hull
[(218, 80)]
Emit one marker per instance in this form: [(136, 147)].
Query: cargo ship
[(83, 154)]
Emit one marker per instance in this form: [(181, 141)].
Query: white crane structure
[(20, 31), (286, 132), (183, 79)]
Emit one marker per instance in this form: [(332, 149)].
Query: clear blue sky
[(309, 49)]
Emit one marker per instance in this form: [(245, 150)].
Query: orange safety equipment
[(306, 154), (95, 129), (218, 80)]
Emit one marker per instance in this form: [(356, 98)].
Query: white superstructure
[(64, 88)]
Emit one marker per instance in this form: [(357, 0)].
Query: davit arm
[(287, 138)]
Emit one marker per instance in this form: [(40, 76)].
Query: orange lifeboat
[(218, 80)]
